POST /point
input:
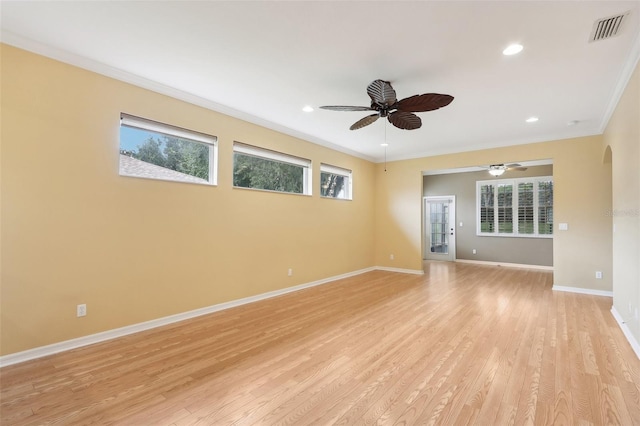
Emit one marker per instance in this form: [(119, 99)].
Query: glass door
[(439, 228)]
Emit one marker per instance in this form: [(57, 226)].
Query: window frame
[(515, 207), (275, 156), (339, 171), (132, 121)]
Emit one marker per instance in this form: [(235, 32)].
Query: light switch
[(563, 226)]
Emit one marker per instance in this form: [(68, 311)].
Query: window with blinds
[(545, 207), (154, 150), (515, 207), (505, 208), (259, 168), (335, 182), (525, 208), (487, 216)]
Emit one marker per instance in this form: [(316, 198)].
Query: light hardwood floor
[(463, 344)]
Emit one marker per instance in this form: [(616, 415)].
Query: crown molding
[(69, 58), (127, 77), (623, 80)]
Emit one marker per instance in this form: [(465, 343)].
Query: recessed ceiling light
[(512, 49), (307, 108), (531, 119), (384, 144)]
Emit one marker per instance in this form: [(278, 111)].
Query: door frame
[(451, 256)]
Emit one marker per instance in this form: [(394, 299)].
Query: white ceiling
[(264, 60)]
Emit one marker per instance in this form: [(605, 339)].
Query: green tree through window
[(154, 150), (260, 168), (177, 154), (331, 185), (262, 173)]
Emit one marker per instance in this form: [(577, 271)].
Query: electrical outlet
[(290, 272), (391, 257), (81, 310), (474, 251), (598, 275)]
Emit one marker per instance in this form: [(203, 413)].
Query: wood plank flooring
[(463, 344)]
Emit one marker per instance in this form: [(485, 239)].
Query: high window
[(259, 168), (515, 207), (153, 150), (335, 182)]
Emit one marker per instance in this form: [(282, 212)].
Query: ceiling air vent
[(607, 27)]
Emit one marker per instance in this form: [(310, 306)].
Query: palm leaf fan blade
[(426, 102), (364, 122), (346, 108), (381, 93), (405, 120)]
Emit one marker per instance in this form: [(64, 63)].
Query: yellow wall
[(74, 231), (582, 195), (622, 136)]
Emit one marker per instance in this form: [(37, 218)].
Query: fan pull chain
[(385, 146)]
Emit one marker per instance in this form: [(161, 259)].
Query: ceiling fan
[(498, 169), (400, 113)]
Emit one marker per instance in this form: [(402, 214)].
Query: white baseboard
[(583, 291), (403, 271), (625, 330), (506, 265), (67, 345)]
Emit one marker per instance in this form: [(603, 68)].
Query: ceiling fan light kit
[(496, 170), (399, 113)]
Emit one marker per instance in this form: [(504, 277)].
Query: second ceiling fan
[(400, 113)]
